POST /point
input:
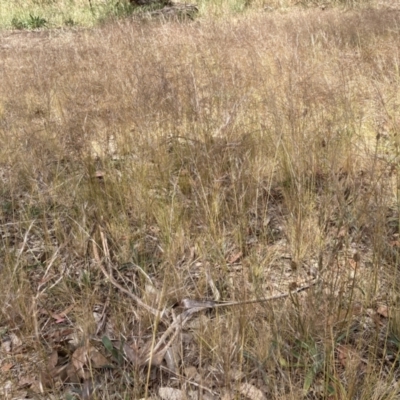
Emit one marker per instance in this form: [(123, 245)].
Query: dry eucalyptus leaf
[(26, 381), (348, 356), (132, 354), (79, 359), (59, 335), (62, 372), (72, 376), (6, 367), (235, 257), (167, 393), (53, 359), (98, 360), (49, 377), (383, 311), (46, 380), (60, 317), (251, 392)]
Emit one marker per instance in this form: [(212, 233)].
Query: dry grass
[(223, 159), (33, 14)]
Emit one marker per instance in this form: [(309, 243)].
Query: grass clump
[(159, 175), (33, 22)]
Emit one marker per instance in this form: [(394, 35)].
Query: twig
[(190, 304)]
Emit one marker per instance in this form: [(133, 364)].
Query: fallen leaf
[(251, 392), (79, 359), (61, 316), (348, 356), (383, 311), (98, 360), (49, 377), (53, 359), (353, 264), (72, 376), (26, 381), (132, 354), (6, 367), (235, 257), (59, 335), (167, 393)]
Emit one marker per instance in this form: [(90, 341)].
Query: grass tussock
[(224, 159)]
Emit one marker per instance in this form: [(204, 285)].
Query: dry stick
[(189, 304)]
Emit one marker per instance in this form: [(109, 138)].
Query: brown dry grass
[(225, 159)]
